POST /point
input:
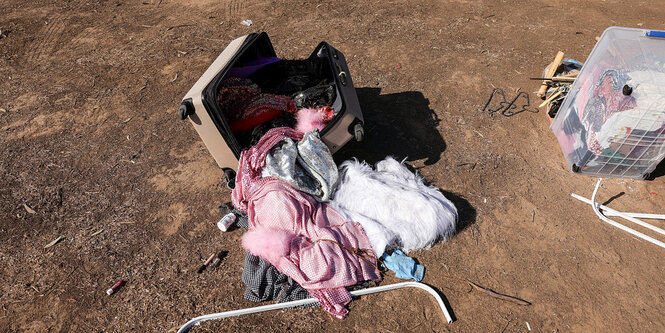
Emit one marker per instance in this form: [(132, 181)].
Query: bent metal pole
[(619, 214), (596, 209), (270, 307)]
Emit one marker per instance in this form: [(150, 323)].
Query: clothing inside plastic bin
[(610, 130)]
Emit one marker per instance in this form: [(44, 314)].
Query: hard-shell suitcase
[(202, 107)]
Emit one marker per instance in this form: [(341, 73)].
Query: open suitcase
[(245, 54)]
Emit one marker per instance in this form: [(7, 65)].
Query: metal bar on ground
[(270, 307)]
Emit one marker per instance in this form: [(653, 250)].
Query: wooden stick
[(550, 99), (555, 79), (499, 296), (550, 73), (490, 291)]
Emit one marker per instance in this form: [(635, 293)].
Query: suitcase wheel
[(359, 132), (230, 178), (185, 109)]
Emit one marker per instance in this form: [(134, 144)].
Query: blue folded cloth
[(403, 266)]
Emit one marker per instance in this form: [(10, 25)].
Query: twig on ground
[(497, 295), (490, 291), (97, 233), (28, 209), (55, 241), (179, 26)]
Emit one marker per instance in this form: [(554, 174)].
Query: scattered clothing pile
[(314, 229), (300, 236)]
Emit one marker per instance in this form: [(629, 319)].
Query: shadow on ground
[(466, 214), (401, 125), (659, 171)]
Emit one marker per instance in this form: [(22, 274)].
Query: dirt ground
[(90, 141)]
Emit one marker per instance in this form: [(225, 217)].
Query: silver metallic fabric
[(306, 165)]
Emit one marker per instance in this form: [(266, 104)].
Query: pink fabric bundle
[(293, 231), (271, 244), (309, 119)]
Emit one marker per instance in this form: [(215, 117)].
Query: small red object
[(398, 67), (653, 193), (328, 111), (115, 287)]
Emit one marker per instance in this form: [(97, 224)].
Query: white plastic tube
[(270, 307), (635, 215), (620, 214), (611, 212), (595, 205)]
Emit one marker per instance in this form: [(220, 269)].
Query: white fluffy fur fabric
[(393, 205)]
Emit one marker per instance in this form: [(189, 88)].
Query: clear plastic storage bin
[(612, 122)]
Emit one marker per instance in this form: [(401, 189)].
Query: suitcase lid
[(204, 90)]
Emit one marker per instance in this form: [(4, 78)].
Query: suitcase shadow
[(401, 125)]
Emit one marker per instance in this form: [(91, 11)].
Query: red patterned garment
[(305, 239), (246, 107)]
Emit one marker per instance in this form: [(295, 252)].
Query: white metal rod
[(637, 215), (264, 308), (611, 212), (620, 214), (595, 205)]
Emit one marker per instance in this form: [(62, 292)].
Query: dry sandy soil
[(90, 141)]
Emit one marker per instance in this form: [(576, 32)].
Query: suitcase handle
[(341, 75), (342, 78)]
